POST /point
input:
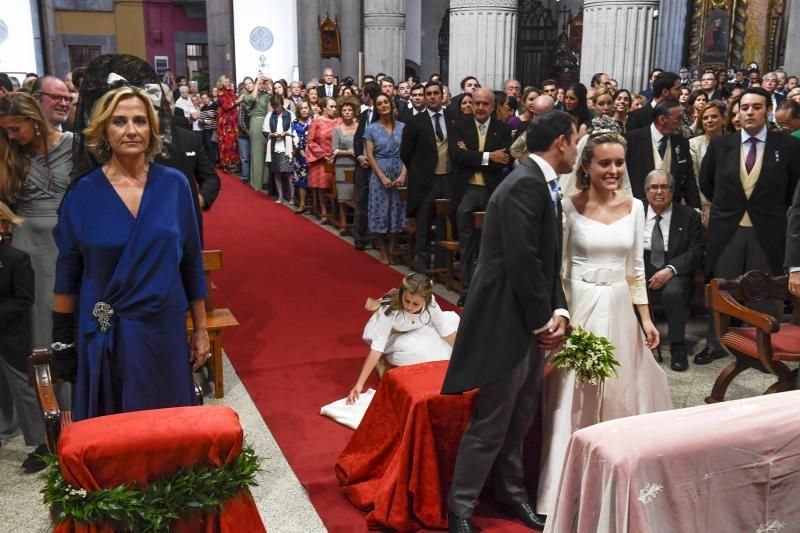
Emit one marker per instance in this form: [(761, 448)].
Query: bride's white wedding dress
[(603, 278)]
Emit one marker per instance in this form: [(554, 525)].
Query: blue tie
[(554, 193)]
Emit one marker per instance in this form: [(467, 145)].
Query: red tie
[(750, 161)]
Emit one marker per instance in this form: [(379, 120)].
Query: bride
[(604, 278)]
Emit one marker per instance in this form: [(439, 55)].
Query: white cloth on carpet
[(349, 415)]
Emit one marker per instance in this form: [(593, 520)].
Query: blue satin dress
[(135, 277)]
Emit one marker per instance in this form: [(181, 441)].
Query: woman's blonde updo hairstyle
[(103, 110), (596, 139)]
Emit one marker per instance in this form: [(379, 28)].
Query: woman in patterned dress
[(227, 124), (300, 131), (386, 212), (319, 150)]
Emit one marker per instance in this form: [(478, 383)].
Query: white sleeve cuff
[(485, 160)]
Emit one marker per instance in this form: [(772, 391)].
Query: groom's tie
[(554, 194)]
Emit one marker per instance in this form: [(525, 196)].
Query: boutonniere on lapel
[(777, 156), (678, 151)]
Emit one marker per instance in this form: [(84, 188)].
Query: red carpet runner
[(299, 294)]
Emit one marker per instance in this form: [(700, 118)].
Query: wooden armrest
[(216, 320), (39, 368), (723, 303)]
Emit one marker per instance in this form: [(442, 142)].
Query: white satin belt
[(598, 276)]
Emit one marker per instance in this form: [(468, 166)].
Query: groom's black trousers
[(504, 412)]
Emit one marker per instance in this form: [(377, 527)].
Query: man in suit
[(750, 177), (185, 152), (479, 148), (708, 84), (417, 104), (327, 87), (648, 92), (453, 111), (770, 84), (660, 146), (516, 311), (792, 260), (673, 249), (666, 87), (367, 117), (424, 151)]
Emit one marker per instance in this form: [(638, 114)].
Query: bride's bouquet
[(590, 356)]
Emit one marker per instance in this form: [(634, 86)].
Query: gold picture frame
[(330, 43), (717, 35)]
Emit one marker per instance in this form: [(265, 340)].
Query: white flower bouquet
[(590, 356)]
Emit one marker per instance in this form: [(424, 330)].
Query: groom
[(516, 295)]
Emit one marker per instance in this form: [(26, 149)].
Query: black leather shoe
[(34, 463), (680, 361), (708, 355), (359, 246), (525, 513), (458, 524), (462, 300)]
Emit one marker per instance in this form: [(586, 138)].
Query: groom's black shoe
[(462, 300), (680, 361), (525, 513), (459, 524)]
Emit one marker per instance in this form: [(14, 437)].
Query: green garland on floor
[(200, 488)]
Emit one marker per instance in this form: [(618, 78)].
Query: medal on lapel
[(777, 156)]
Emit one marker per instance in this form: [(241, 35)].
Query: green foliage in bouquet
[(152, 508), (590, 356)]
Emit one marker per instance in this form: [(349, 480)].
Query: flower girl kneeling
[(406, 328)]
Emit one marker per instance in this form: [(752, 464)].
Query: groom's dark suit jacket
[(517, 283)]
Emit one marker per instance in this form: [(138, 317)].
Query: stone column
[(791, 60), (483, 41), (309, 60), (618, 38), (219, 23), (385, 37), (671, 33)]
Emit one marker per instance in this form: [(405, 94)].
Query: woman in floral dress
[(300, 132), (227, 125)]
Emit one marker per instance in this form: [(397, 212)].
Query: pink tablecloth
[(732, 466)]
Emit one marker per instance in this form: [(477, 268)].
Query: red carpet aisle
[(298, 292)]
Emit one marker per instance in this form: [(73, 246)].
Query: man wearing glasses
[(673, 248), (54, 99)]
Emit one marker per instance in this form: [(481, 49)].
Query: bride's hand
[(651, 333)]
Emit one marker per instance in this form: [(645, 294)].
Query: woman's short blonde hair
[(103, 110)]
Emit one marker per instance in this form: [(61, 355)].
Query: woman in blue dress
[(129, 266), (300, 132), (386, 211)]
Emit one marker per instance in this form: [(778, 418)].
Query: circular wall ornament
[(261, 38), (3, 31)]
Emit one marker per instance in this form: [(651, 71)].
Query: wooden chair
[(404, 242), (217, 320), (55, 419), (449, 245), (766, 344)]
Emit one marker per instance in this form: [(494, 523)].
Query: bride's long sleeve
[(634, 263)]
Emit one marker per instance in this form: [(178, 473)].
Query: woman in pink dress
[(319, 150)]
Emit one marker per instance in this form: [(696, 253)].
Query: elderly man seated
[(673, 244)]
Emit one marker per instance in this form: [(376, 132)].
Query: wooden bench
[(217, 320), (449, 245)]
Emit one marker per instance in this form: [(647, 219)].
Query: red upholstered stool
[(144, 446)]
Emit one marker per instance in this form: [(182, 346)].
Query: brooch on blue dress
[(103, 313)]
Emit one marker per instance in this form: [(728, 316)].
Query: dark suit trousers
[(742, 254), (360, 219), (504, 412), (675, 300), (424, 221), (475, 199)]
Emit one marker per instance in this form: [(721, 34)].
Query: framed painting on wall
[(717, 37)]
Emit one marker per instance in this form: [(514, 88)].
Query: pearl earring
[(36, 129)]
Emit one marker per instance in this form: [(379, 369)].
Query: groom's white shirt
[(549, 175)]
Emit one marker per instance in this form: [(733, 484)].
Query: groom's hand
[(551, 338)]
